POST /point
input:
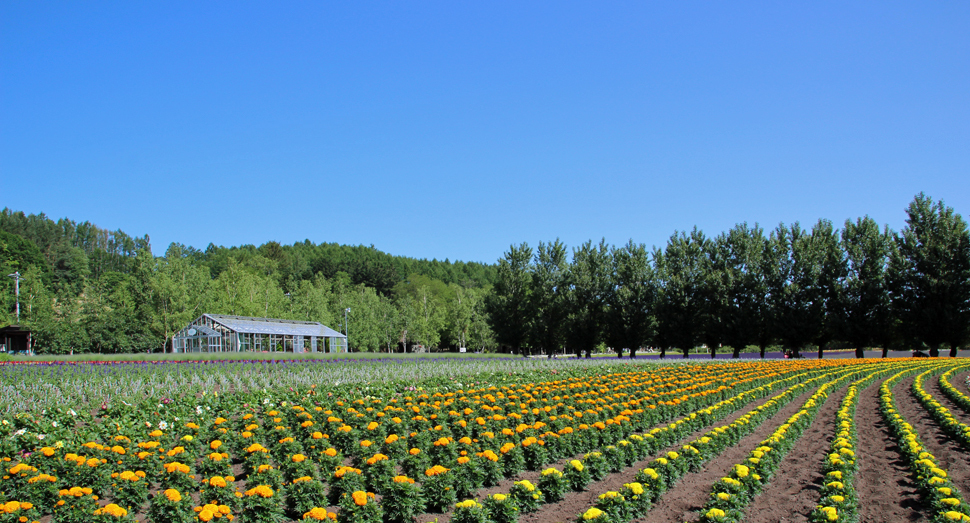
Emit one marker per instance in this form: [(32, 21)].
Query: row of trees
[(86, 289), (861, 286)]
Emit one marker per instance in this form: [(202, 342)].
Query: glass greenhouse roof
[(274, 326)]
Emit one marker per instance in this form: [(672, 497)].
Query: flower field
[(474, 441)]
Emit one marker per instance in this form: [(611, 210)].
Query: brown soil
[(883, 482), (933, 387), (959, 380), (948, 452), (688, 496), (576, 503), (793, 492)]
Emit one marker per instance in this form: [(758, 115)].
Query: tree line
[(86, 289), (861, 286)]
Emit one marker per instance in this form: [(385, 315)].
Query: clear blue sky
[(454, 129)]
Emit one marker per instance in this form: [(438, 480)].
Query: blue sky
[(454, 129)]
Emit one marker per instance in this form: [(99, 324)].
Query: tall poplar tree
[(931, 276)]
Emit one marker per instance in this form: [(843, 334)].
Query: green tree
[(510, 304), (739, 297), (632, 298), (180, 292), (549, 297), (681, 271), (864, 309), (590, 279), (931, 276)]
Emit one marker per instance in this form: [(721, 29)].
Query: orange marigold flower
[(316, 513), (173, 495), (263, 491), (360, 498)]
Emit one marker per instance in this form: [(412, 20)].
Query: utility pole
[(16, 278), (347, 328)]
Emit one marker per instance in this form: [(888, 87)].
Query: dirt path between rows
[(933, 387), (947, 451), (576, 503), (793, 492), (883, 482), (959, 380), (688, 496)]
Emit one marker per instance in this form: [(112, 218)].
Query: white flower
[(54, 423), (162, 425), (147, 424), (19, 432), (198, 409), (72, 413), (41, 436)]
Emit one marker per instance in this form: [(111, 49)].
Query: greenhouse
[(222, 333)]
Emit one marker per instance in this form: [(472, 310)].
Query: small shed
[(224, 333), (15, 339)]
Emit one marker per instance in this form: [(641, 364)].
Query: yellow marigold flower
[(499, 497), (830, 513), (953, 515), (723, 496), (173, 495), (576, 464), (468, 503), (526, 484), (360, 498), (741, 471), (837, 499), (946, 491), (714, 513), (592, 513), (551, 472), (953, 502)]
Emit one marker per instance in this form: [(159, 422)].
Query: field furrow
[(886, 492), (683, 501), (793, 493)]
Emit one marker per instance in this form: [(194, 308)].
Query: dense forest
[(862, 286)]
